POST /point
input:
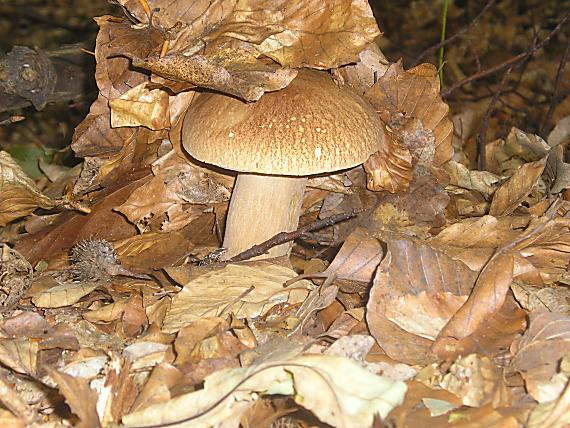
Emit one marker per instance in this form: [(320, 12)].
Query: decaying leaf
[(292, 33), (140, 106), (65, 294), (547, 330), (476, 380), (16, 275), (176, 183), (338, 390), (80, 397), (511, 193), (404, 96), (241, 289), (246, 81), (19, 195), (355, 263)]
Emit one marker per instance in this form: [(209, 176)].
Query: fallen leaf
[(242, 289), (19, 195), (80, 397), (547, 331), (511, 193), (336, 389), (140, 106)]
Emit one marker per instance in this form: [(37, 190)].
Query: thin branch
[(508, 63), (445, 42), (283, 237), (481, 141), (557, 84)]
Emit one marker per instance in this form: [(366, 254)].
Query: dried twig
[(283, 237), (508, 63), (481, 140), (554, 101)]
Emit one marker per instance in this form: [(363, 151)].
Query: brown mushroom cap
[(310, 127)]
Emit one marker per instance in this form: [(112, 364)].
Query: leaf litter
[(442, 300)]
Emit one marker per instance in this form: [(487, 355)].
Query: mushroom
[(312, 126)]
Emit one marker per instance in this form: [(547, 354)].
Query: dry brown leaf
[(370, 66), (555, 414), (481, 181), (65, 294), (418, 288), (19, 195), (487, 298), (216, 343), (355, 263), (548, 331), (503, 157), (157, 387), (176, 183), (16, 275), (133, 318), (231, 76), (493, 336), (389, 169), (94, 135), (474, 240), (291, 32), (477, 381), (551, 299), (511, 193), (80, 397), (414, 413), (140, 106), (246, 290), (549, 250), (31, 325), (402, 96), (20, 355)]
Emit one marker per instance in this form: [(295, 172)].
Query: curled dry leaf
[(389, 169), (140, 106), (291, 32), (410, 104), (176, 183), (476, 380), (94, 135), (16, 275), (19, 195), (355, 263), (511, 193), (483, 182), (547, 330), (487, 298), (81, 398), (371, 65), (246, 81), (504, 157), (337, 390)]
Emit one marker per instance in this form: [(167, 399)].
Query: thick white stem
[(261, 206)]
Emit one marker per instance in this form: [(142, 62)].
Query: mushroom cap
[(312, 126)]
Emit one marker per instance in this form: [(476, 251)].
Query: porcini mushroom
[(312, 126)]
